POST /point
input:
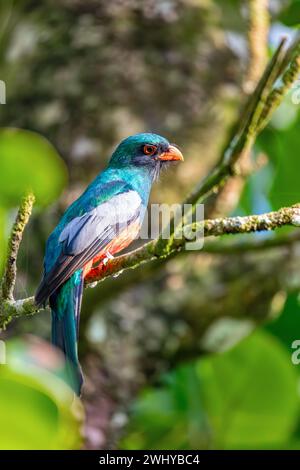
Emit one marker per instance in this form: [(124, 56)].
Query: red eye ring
[(149, 150)]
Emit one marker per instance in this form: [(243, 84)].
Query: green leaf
[(244, 398), (172, 417), (29, 162), (290, 16), (37, 409), (250, 394), (286, 326), (282, 147)]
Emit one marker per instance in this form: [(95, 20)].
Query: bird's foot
[(93, 275), (108, 256)]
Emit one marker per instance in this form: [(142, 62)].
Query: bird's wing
[(87, 235)]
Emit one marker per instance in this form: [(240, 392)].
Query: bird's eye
[(149, 149)]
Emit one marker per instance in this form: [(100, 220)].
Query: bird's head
[(151, 151)]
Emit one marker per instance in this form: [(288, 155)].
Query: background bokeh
[(194, 353)]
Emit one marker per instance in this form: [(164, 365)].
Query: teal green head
[(149, 151)]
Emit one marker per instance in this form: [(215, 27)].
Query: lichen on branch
[(10, 272), (152, 250), (258, 30)]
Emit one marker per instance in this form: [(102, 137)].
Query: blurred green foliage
[(282, 147), (29, 162), (287, 325), (38, 410), (244, 398), (290, 15)]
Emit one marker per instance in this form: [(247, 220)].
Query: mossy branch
[(10, 272), (227, 197), (210, 227), (153, 250), (258, 30)]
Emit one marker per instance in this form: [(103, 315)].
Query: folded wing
[(84, 237)]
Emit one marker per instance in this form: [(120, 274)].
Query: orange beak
[(171, 155)]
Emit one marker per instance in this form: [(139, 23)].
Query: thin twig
[(258, 30), (22, 218), (242, 139), (279, 91), (227, 197)]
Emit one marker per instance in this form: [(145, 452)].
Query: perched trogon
[(104, 220)]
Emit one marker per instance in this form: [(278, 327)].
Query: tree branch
[(210, 227), (228, 196), (277, 79), (259, 22), (10, 272), (245, 131), (153, 250), (280, 90)]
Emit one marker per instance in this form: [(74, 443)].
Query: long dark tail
[(65, 306)]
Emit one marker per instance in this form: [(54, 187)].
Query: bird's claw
[(108, 256)]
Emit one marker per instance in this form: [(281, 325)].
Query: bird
[(103, 221)]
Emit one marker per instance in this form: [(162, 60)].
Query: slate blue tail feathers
[(65, 306)]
